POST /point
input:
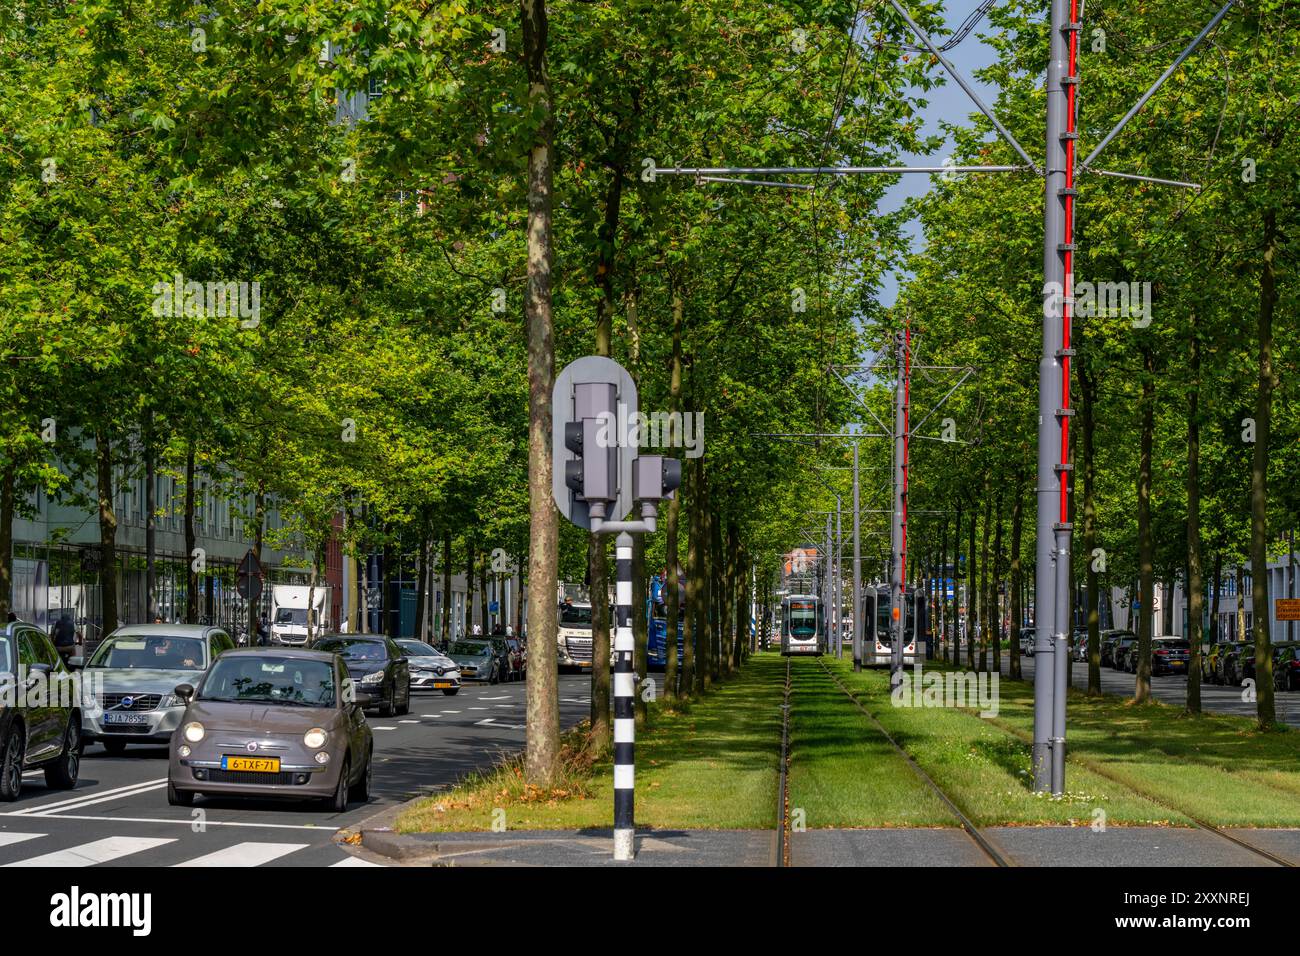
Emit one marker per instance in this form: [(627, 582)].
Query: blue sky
[(946, 103)]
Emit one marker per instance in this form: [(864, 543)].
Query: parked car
[(1027, 641), (477, 660), (40, 716), (430, 668), (378, 667), (1170, 655), (1109, 642), (129, 681), (272, 723), (1211, 664), (1238, 663), (1286, 665)]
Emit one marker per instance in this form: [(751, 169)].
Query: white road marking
[(100, 851), (485, 720), (354, 861), (408, 721), (478, 708), (185, 822), (91, 797), (245, 854), (505, 697), (507, 705), (431, 715), (451, 711), (9, 839), (384, 727)]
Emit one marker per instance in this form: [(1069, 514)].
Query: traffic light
[(655, 477), (593, 473)]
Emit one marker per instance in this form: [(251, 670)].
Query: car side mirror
[(362, 699), (40, 668), (76, 663), (185, 692)]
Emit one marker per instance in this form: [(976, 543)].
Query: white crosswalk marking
[(100, 851), (9, 839), (354, 861), (245, 854)]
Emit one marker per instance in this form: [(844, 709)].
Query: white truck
[(573, 636), (289, 603)]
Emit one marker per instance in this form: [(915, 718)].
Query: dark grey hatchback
[(40, 714), (377, 665)]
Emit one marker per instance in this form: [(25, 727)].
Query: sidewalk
[(1022, 846)]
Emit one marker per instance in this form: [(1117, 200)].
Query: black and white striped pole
[(597, 481), (624, 719)]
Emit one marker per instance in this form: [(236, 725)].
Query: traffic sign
[(250, 577)]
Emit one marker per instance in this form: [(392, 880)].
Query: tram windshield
[(803, 619)]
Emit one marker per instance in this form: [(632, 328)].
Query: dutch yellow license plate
[(254, 764)]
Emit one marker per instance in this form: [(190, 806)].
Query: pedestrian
[(263, 634), (65, 637), (10, 617)]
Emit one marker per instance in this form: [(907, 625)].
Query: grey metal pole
[(828, 588), (624, 717), (1050, 369), (857, 567), (897, 600)]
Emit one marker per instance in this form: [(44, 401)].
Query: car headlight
[(322, 757), (314, 738), (171, 700), (373, 678), (194, 732), (183, 750)]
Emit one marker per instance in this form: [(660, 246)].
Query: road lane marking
[(451, 711), (91, 796), (245, 854), (188, 822), (100, 851), (9, 839), (505, 697), (354, 861), (431, 715), (408, 721), (384, 727)]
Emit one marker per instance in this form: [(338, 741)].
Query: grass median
[(710, 766)]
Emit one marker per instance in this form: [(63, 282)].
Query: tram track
[(1154, 798), (986, 846), (783, 786)]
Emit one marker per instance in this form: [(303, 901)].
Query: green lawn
[(714, 765)]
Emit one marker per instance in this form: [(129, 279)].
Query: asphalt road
[(1172, 689), (118, 814)]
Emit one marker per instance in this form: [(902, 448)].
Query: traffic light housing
[(655, 477)]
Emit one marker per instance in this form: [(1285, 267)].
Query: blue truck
[(657, 632)]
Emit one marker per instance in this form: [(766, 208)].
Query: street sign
[(1287, 609), (493, 607), (250, 577)]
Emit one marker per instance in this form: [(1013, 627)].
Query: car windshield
[(353, 649), (291, 615), (471, 648), (569, 614), (270, 679), (1175, 645), (6, 656), (417, 649), (139, 651)]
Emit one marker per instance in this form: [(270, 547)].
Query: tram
[(877, 642), (803, 625)]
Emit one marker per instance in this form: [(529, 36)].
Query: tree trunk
[(602, 726), (995, 598), (150, 525), (1146, 543), (191, 538), (543, 715), (952, 652), (1264, 707), (1195, 581), (484, 612), (259, 536), (107, 535), (985, 577), (421, 584), (1214, 601), (1017, 576), (8, 485), (691, 626), (972, 591), (446, 588), (640, 626), (469, 588), (674, 511)]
